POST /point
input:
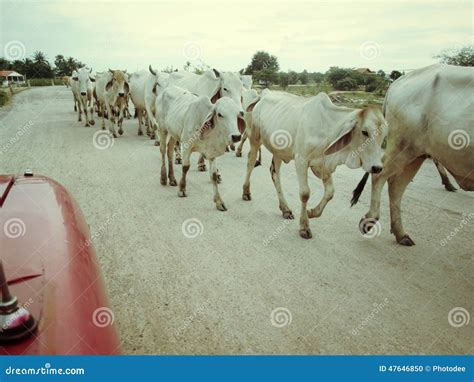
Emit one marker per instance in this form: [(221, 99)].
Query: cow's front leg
[(170, 151), (91, 113), (317, 211), (275, 173), (302, 172), (140, 122), (238, 152), (120, 119), (201, 163), (185, 169), (111, 120), (252, 157), (79, 110), (217, 198), (177, 151)]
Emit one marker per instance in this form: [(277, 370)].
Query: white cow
[(144, 86), (200, 126), (84, 82), (246, 81), (316, 134), (74, 89), (112, 89), (430, 114), (212, 84)]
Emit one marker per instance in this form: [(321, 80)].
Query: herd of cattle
[(427, 113)]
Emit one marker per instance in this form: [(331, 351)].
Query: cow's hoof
[(92, 122), (173, 182), (140, 132), (246, 197), (288, 215), (120, 132), (114, 135), (157, 143), (305, 233), (177, 161), (232, 147), (182, 194), (449, 187), (219, 179), (163, 181), (202, 167), (221, 207), (406, 240), (103, 127), (238, 154), (86, 125), (257, 163), (153, 136), (227, 149)]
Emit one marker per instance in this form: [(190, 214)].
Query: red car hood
[(51, 267)]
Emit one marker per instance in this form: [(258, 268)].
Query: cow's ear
[(109, 85), (208, 124), (216, 96), (252, 104), (344, 138), (127, 88), (92, 79), (216, 72), (75, 78), (241, 123)]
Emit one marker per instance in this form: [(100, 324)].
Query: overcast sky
[(308, 35)]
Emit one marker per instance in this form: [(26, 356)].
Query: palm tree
[(39, 56)]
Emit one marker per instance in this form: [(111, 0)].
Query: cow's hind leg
[(214, 175), (185, 169), (275, 172), (238, 152), (328, 195), (163, 177), (397, 185), (444, 177), (201, 163), (177, 151), (302, 173), (170, 151)]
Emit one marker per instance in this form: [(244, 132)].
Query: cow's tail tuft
[(358, 190)]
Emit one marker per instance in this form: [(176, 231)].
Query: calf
[(112, 89), (200, 126), (317, 134)]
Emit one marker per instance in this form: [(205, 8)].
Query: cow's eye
[(220, 115), (365, 133), (225, 89)]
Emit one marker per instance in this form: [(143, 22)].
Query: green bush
[(45, 81), (4, 97), (346, 83)]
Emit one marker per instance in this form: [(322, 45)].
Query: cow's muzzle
[(83, 93), (376, 169), (121, 94), (236, 138)]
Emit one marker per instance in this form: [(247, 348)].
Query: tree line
[(38, 66)]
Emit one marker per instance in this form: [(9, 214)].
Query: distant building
[(364, 71), (10, 76)]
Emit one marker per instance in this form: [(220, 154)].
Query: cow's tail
[(358, 190)]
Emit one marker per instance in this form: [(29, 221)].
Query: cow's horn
[(111, 71), (151, 70)]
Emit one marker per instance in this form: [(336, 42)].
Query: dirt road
[(246, 283)]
